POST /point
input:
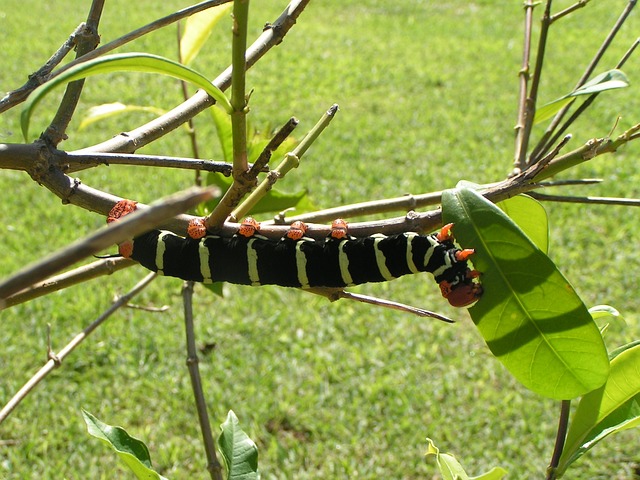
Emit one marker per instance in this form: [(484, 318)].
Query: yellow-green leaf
[(135, 62), (198, 29)]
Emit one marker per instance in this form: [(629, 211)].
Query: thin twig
[(213, 465), (524, 82), (88, 41), (563, 423), (291, 161), (627, 202), (39, 77), (56, 359), (19, 95), (272, 35), (77, 161), (243, 179), (586, 104), (79, 275), (546, 141), (532, 98), (579, 4), (334, 294)]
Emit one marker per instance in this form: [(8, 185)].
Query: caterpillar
[(249, 258)]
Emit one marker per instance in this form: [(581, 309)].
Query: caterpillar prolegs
[(248, 258)]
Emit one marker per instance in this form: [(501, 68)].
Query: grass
[(427, 94)]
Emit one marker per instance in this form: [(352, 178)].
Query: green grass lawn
[(427, 94)]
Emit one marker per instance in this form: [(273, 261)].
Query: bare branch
[(129, 227), (82, 274), (213, 465), (56, 359)]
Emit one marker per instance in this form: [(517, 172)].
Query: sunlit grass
[(427, 95)]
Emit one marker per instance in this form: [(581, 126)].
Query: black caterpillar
[(248, 258)]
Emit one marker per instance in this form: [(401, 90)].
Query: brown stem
[(102, 267), (44, 74), (213, 465), (524, 81), (87, 42), (546, 141), (563, 423), (55, 360)]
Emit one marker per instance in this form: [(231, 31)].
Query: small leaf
[(135, 62), (240, 453), (607, 312), (198, 29), (131, 451), (550, 109), (529, 315), (530, 216), (610, 80), (450, 468), (610, 409), (107, 110)]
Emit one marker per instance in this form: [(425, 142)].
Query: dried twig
[(213, 465), (55, 359)]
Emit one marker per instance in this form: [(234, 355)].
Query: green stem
[(238, 87)]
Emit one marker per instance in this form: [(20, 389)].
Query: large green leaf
[(138, 62), (529, 315), (133, 452), (197, 30), (239, 451), (531, 217), (612, 408), (610, 80)]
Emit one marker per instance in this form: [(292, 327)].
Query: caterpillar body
[(248, 258)]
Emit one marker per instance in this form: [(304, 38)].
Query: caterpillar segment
[(340, 260)]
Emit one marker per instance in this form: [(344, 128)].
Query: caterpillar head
[(461, 294)]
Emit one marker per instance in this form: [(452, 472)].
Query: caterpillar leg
[(249, 227), (119, 210), (196, 228), (296, 230), (339, 229)]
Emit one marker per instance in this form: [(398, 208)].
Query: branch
[(272, 35), (519, 164), (105, 266), (213, 465), (291, 161), (88, 41), (546, 141), (129, 227), (55, 360), (44, 74)]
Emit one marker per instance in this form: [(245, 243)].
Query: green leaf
[(531, 217), (222, 123), (238, 450), (136, 62), (529, 315), (612, 408), (131, 451), (107, 110), (610, 80), (451, 469), (606, 312), (197, 30)]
